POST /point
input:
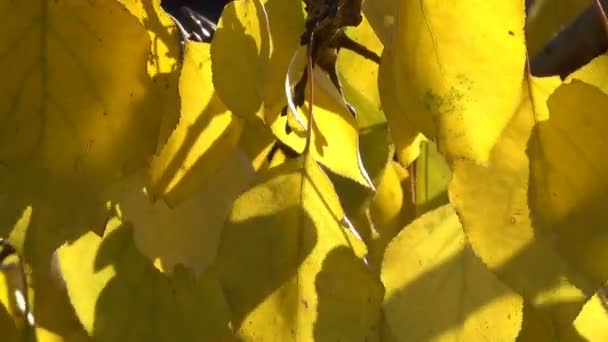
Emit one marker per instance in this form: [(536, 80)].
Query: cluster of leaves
[(142, 185)]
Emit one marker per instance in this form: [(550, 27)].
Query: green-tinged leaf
[(240, 52), (569, 179), (205, 137), (76, 115), (381, 16), (464, 75), (548, 17), (189, 232), (288, 266), (404, 127), (359, 76), (119, 295), (428, 266), (432, 177), (492, 204), (592, 322), (163, 61)]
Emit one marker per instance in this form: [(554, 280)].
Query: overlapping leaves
[(246, 242)]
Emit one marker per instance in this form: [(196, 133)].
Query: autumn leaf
[(448, 76), (503, 234), (76, 114), (207, 133), (289, 267), (239, 77), (430, 265), (119, 295)]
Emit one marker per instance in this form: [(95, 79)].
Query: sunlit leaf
[(404, 127), (502, 234), (568, 179), (390, 210), (240, 52), (206, 135), (540, 90), (594, 73), (119, 295), (429, 265), (463, 74), (189, 232), (257, 142), (359, 76), (592, 322), (163, 60), (11, 320), (286, 23), (76, 114), (289, 267), (432, 177)]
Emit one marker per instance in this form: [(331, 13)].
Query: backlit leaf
[(76, 114), (119, 295), (189, 232), (502, 234), (240, 52), (568, 182), (359, 76), (429, 265), (465, 74), (404, 127), (163, 61), (206, 135), (288, 266), (592, 322)]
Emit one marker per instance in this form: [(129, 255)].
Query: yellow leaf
[(163, 60), (289, 267), (540, 90), (432, 177), (10, 323), (77, 115), (240, 52), (286, 23), (359, 76), (547, 17), (403, 126), (390, 210), (592, 322), (189, 232), (257, 142), (206, 135), (119, 295), (594, 73), (492, 203), (568, 179), (429, 265), (381, 16), (464, 74)]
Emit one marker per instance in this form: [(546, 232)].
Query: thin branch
[(600, 10), (573, 47)]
